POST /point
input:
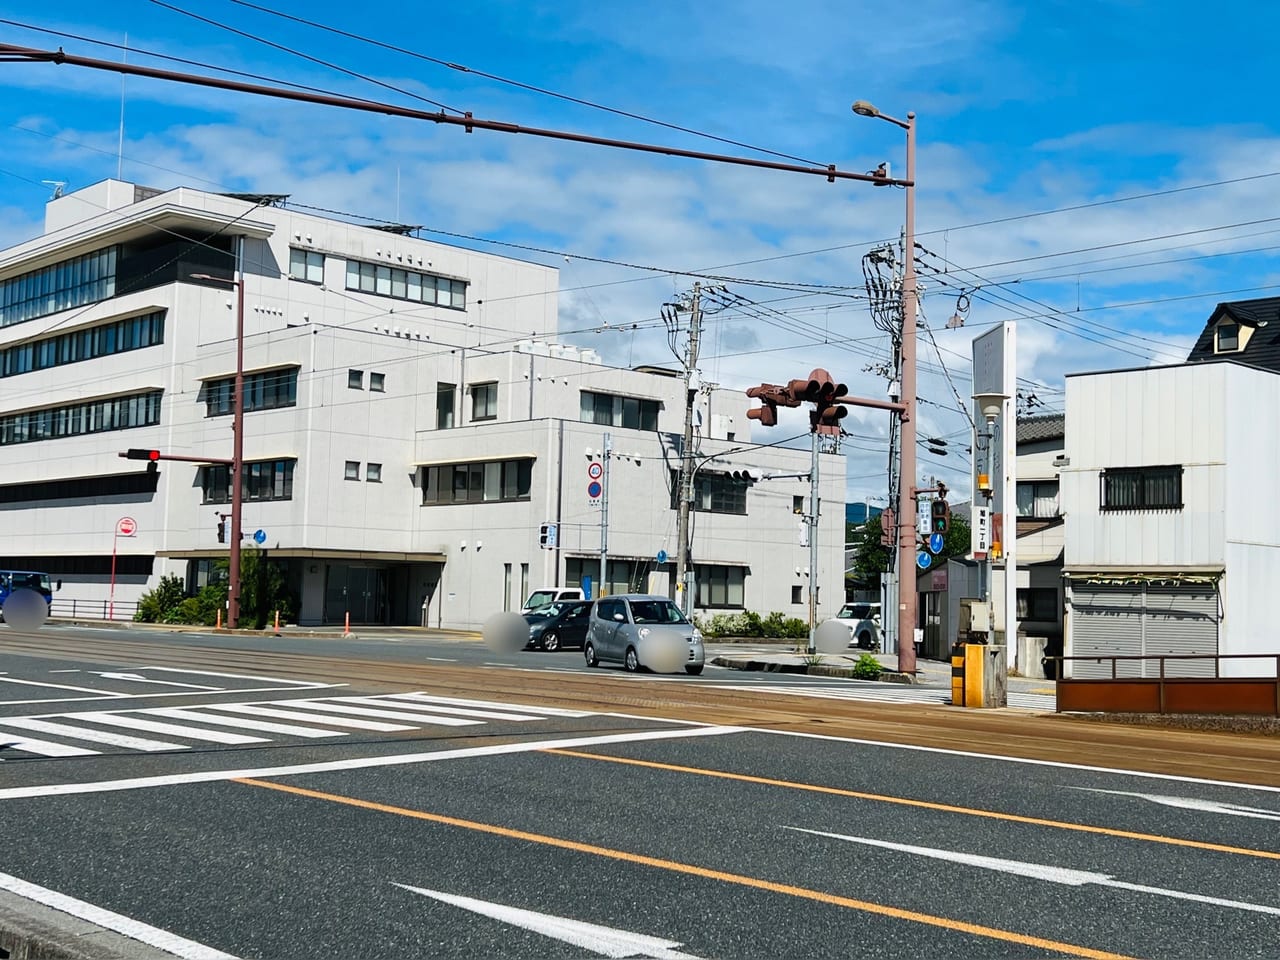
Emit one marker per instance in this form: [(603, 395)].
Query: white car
[(863, 621), (539, 600)]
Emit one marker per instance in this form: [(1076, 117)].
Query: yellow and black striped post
[(957, 675)]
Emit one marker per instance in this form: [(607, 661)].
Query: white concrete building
[(409, 422), (1172, 539)]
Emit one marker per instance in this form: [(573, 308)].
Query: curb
[(813, 670)]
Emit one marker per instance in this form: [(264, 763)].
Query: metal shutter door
[(1105, 620), (1181, 619)]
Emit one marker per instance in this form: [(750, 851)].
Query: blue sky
[(1053, 108)]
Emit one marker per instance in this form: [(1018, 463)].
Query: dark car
[(558, 625)]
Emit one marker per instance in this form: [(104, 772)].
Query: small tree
[(162, 603)]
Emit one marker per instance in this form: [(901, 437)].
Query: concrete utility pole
[(812, 520), (684, 572)]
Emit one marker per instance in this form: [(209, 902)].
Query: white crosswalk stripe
[(262, 721), (890, 693)]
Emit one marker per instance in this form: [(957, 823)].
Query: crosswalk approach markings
[(81, 734)]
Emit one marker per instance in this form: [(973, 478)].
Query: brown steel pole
[(907, 596), (237, 454)]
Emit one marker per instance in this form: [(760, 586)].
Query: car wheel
[(589, 651), (693, 670), (864, 640), (551, 642), (632, 662)]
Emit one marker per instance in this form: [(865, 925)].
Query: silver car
[(642, 632)]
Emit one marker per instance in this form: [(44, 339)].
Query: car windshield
[(656, 611), (33, 581), (855, 611), (540, 599)]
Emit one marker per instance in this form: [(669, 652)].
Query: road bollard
[(985, 675), (957, 674)]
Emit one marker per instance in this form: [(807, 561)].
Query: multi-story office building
[(409, 422)]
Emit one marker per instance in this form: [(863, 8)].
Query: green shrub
[(867, 668), (158, 605)]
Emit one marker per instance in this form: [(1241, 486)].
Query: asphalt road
[(283, 797)]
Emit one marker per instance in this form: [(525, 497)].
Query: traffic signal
[(771, 397), (941, 517), (548, 536), (152, 456), (743, 476), (819, 387), (826, 418)]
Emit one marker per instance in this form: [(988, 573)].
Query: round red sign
[(126, 527)]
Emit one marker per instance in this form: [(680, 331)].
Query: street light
[(907, 459), (237, 443), (991, 405)]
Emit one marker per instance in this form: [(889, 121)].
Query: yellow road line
[(925, 804), (959, 926)]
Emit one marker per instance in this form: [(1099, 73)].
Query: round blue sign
[(923, 560), (260, 536), (662, 556), (594, 489), (936, 542)]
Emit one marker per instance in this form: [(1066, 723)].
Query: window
[(484, 401), (355, 379), (307, 265), (406, 285), (264, 390), (1038, 603), (378, 382), (373, 472), (92, 416), (61, 286), (1228, 337), (719, 586), (797, 506), (353, 470), (713, 493), (119, 336), (446, 394), (490, 482), (1142, 488), (263, 480), (608, 410), (797, 593), (1038, 499)]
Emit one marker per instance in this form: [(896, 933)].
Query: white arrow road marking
[(605, 941), (1188, 803), (138, 678), (1063, 875)]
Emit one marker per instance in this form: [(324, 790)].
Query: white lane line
[(405, 713), (348, 722), (1039, 871), (442, 659), (359, 763), (483, 704), (292, 684), (605, 941), (1059, 764), (127, 926), (399, 703), (1190, 803), (139, 678), (171, 729), (92, 736), (63, 686), (43, 747), (240, 723)]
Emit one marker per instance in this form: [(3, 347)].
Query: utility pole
[(684, 571), (812, 520), (604, 517)]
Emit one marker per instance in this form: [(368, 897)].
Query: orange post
[(219, 626), (346, 624), (277, 619)]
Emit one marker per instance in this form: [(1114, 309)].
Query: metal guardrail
[(1216, 694), (67, 608)]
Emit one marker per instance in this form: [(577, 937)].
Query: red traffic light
[(137, 453)]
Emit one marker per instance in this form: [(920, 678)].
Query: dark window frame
[(88, 343), (484, 481), (1140, 488), (1223, 344), (617, 410), (355, 379), (260, 480), (273, 389), (714, 492), (310, 260), (102, 415), (489, 392)]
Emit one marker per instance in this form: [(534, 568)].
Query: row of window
[(121, 336), (93, 416), (713, 493), (266, 480), (263, 390), (1142, 488), (72, 283), (717, 586), (477, 482), (377, 381), (609, 410), (409, 285), (372, 471), (484, 403)]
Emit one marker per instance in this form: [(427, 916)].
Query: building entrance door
[(358, 591)]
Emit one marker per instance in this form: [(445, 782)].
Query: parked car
[(863, 621), (558, 625), (639, 631), (545, 596)]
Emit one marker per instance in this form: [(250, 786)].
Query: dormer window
[(1228, 337)]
